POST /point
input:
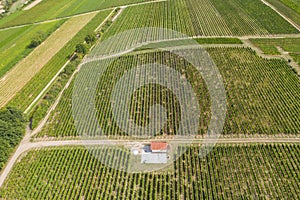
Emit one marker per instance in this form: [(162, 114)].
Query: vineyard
[(254, 87), (205, 18), (269, 46), (150, 99), (29, 92), (289, 8), (256, 171)]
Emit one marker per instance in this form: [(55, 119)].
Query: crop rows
[(29, 92), (289, 8), (205, 17), (52, 9), (31, 65), (228, 172), (261, 96), (14, 43)]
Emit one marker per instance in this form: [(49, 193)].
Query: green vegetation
[(44, 104), (269, 46), (289, 8), (14, 43), (205, 18), (82, 48), (219, 41), (52, 9), (37, 39), (12, 128), (228, 172), (254, 86), (29, 92)]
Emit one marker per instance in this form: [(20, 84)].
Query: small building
[(155, 153)]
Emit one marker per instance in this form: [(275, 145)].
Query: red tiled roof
[(159, 145)]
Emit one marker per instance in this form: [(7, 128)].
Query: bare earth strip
[(24, 71), (36, 2)]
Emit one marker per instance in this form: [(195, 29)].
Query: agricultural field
[(24, 71), (15, 43), (254, 172), (290, 8), (182, 99), (205, 18), (254, 87), (271, 47), (53, 9), (31, 90)]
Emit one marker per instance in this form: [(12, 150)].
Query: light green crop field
[(51, 9), (14, 43), (254, 172), (205, 18)]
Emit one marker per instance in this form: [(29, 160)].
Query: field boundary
[(81, 14), (282, 15)]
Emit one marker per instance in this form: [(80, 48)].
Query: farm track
[(282, 15), (27, 145)]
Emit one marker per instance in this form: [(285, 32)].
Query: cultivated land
[(205, 18), (32, 89), (290, 8), (52, 9), (254, 87), (21, 74), (257, 156), (255, 171), (14, 43)]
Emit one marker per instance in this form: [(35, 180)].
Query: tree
[(81, 48), (89, 39), (37, 40)]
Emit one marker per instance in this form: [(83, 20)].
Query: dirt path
[(283, 16), (36, 2), (26, 146)]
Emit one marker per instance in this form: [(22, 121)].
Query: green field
[(14, 43), (268, 46), (205, 18), (254, 172), (290, 8), (290, 45), (51, 9), (254, 86), (31, 90)]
